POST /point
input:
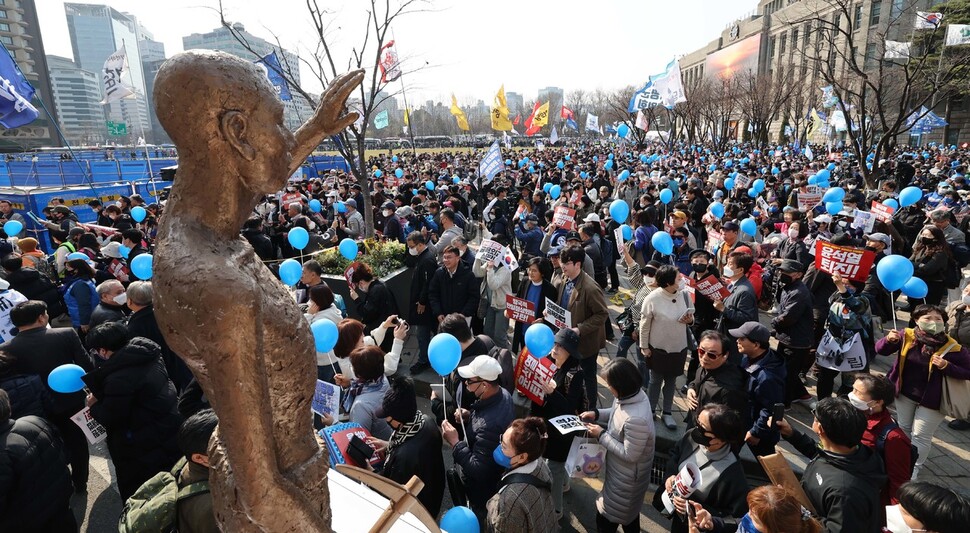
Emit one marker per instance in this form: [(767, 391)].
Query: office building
[(77, 94), (515, 102)]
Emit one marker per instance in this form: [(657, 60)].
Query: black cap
[(573, 236), (731, 226), (791, 265), (701, 251), (752, 330), (569, 340)]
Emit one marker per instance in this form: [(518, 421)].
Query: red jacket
[(897, 453)]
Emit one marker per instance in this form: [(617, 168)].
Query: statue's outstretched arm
[(329, 118)]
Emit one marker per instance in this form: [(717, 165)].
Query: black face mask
[(872, 249), (928, 242), (698, 268), (697, 435)]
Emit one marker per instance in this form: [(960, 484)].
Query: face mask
[(747, 526), (728, 272), (894, 520), (678, 242), (500, 458), (698, 268), (793, 234), (413, 251), (387, 213), (121, 298), (931, 326), (871, 248), (697, 435), (966, 299), (851, 187), (648, 280), (858, 403), (928, 241)]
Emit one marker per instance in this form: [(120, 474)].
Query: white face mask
[(648, 281), (728, 272), (121, 299), (388, 213), (966, 299), (894, 520), (858, 403), (793, 234), (413, 251)]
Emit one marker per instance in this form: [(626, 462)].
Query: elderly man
[(142, 323), (7, 213), (353, 228), (111, 304)]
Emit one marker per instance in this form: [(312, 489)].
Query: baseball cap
[(351, 203), (573, 236), (482, 366), (718, 194), (731, 226), (333, 194), (388, 205), (883, 238), (679, 214), (750, 330), (791, 265), (592, 217), (531, 217), (823, 219)]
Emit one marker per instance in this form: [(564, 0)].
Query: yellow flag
[(459, 114), (541, 116), (816, 125), (500, 113), (407, 117)]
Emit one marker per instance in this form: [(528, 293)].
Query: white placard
[(567, 424), (559, 316), (92, 429)]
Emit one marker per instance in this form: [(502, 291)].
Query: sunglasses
[(701, 352)]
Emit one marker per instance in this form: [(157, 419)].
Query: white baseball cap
[(592, 217), (483, 366)]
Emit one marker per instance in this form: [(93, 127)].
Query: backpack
[(881, 445), (961, 252), (506, 358), (154, 506), (469, 231), (952, 273)]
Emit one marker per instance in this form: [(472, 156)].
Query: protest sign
[(807, 201), (326, 399), (560, 317), (848, 262), (564, 217), (349, 274), (864, 220), (711, 288), (883, 212), (338, 438), (685, 483), (567, 424), (618, 237), (92, 429), (519, 309), (763, 205), (509, 260), (847, 356), (489, 250), (741, 181), (531, 374), (714, 240)]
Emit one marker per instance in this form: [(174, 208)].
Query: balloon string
[(892, 308), (457, 400)]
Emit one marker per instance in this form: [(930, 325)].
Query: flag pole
[(404, 95), (141, 126)]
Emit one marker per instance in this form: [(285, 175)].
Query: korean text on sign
[(848, 262), (519, 309), (564, 217), (531, 373)]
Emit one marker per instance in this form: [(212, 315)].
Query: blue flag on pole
[(491, 164), (570, 123), (380, 121), (274, 73), (15, 94)]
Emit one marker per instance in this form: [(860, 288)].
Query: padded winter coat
[(629, 441)]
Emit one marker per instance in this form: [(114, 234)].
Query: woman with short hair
[(523, 502)]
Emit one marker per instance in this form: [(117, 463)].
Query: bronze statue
[(220, 308)]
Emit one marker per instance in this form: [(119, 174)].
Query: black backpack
[(952, 273), (506, 358), (881, 445)]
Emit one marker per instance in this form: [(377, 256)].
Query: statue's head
[(222, 109)]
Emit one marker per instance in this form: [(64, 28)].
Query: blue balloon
[(555, 191), (398, 173), (610, 156), (644, 158), (456, 180), (830, 166), (623, 175), (910, 195), (315, 205), (891, 202), (662, 242), (124, 251), (744, 160), (521, 163), (324, 335), (566, 157), (349, 249), (546, 187), (824, 174), (729, 184), (666, 196), (749, 226), (444, 352), (627, 231), (75, 256), (508, 162), (298, 238), (712, 167), (812, 180), (66, 379), (894, 271), (290, 271), (560, 165), (823, 184), (753, 193), (775, 171), (340, 207), (596, 159), (583, 175), (532, 169), (12, 228), (460, 520), (609, 164), (833, 208), (619, 210), (394, 159), (758, 185), (728, 163), (539, 340), (138, 213), (835, 194), (915, 288), (623, 130), (141, 266), (378, 173), (717, 209), (429, 185)]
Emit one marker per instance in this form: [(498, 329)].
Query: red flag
[(529, 129), (566, 113), (389, 63), (517, 119)]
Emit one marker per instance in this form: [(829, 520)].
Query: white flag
[(808, 153), (114, 68), (927, 20), (642, 121), (896, 50), (592, 122), (957, 34), (554, 136), (669, 85)]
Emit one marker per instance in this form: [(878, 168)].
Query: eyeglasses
[(473, 381), (701, 352)]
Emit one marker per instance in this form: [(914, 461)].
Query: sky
[(465, 47)]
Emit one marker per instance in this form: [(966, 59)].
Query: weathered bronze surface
[(220, 308)]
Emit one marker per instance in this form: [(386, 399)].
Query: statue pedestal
[(357, 508)]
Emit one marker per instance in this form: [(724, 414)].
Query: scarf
[(405, 432), (930, 343), (358, 387)]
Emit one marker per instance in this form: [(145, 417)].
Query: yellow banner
[(459, 114), (541, 116), (407, 117), (500, 113)]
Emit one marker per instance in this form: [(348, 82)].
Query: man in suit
[(38, 350), (585, 300), (741, 305), (422, 259)]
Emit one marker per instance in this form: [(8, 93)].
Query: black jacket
[(27, 393), (424, 269), (844, 489), (766, 387), (137, 405), (595, 253), (456, 293), (143, 324), (41, 350), (725, 500), (490, 418), (420, 455), (569, 398), (36, 286), (35, 484), (793, 324), (106, 313), (261, 244), (726, 385), (740, 306), (375, 305)]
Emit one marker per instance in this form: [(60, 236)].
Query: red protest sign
[(883, 212), (519, 309), (349, 274), (711, 288), (846, 261), (531, 374), (564, 217)]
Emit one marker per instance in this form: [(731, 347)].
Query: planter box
[(398, 282)]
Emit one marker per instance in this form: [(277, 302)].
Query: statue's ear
[(233, 126)]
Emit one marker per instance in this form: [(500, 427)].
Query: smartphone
[(777, 413), (691, 512)]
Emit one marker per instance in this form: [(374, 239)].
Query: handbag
[(625, 321), (586, 459), (955, 400), (666, 363)]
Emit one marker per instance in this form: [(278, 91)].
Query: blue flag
[(15, 94), (570, 123), (380, 121), (274, 73), (491, 164)]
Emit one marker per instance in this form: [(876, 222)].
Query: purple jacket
[(901, 374)]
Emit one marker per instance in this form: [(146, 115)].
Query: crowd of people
[(737, 294)]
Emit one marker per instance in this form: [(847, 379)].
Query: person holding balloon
[(7, 214), (320, 307), (926, 356)]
